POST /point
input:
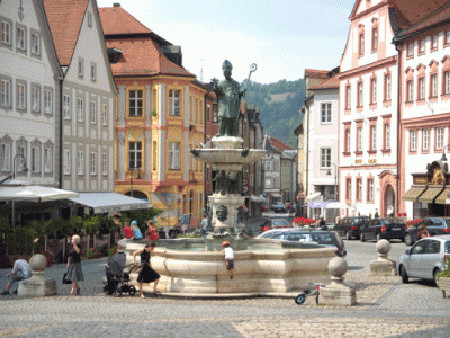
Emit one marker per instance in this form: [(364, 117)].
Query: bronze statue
[(438, 177), (229, 96), (222, 213), (240, 215)]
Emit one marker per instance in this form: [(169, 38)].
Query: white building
[(30, 91), (88, 97)]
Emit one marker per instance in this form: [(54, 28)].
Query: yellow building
[(159, 117)]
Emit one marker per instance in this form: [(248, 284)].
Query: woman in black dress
[(147, 274), (74, 264)]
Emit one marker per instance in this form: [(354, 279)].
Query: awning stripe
[(430, 194), (413, 193), (442, 198)]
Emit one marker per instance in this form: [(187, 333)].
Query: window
[(5, 34), (80, 162), (347, 140), (425, 139), (422, 46), (66, 106), (360, 94), (325, 158), (268, 182), (154, 153), (387, 87), (348, 188), (89, 19), (80, 109), (387, 136), (434, 85), (93, 112), (93, 163), (6, 156), (6, 93), (409, 91), (174, 102), (371, 189), (347, 97), (410, 50), (269, 166), (207, 113), (135, 103), (67, 162), (80, 68), (48, 160), (35, 163), (35, 44), (105, 164), (439, 138), (361, 44), (421, 88), (93, 71), (373, 91), (48, 101), (36, 99), (21, 96), (412, 140), (374, 39), (326, 112), (447, 37), (104, 116), (134, 155), (359, 139), (215, 118), (447, 82), (21, 38), (358, 189), (373, 138), (174, 155), (434, 42)]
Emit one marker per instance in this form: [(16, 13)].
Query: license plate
[(397, 229)]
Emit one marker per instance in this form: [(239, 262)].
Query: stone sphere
[(338, 266), (383, 246), (38, 262)]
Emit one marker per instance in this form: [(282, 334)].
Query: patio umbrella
[(17, 190)]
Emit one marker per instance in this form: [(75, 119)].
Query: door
[(430, 258), (416, 259)]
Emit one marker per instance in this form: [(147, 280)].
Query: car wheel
[(132, 290), (404, 276), (435, 272), (300, 299), (348, 235), (363, 237)]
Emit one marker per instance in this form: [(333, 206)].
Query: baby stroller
[(117, 276)]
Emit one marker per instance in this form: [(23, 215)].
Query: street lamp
[(335, 182), (138, 177), (24, 165)]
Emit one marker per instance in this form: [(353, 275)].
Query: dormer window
[(89, 19)]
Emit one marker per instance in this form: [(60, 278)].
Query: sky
[(283, 37)]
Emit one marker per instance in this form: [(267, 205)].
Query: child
[(229, 257), (137, 234)]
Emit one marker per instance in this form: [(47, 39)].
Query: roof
[(116, 20), (436, 17), (65, 18), (328, 84), (110, 202), (317, 74), (277, 144)]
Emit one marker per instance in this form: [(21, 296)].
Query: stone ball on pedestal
[(38, 262), (383, 246), (338, 266)]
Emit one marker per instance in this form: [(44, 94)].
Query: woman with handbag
[(147, 274), (74, 272)]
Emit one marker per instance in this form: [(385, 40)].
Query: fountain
[(261, 266)]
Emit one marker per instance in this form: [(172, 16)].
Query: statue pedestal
[(382, 266), (37, 285), (232, 203), (227, 142)]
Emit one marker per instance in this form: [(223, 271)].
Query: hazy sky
[(282, 36)]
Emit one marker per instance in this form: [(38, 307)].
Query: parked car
[(326, 238), (435, 226), (425, 259), (280, 223), (279, 207), (349, 227), (383, 228)]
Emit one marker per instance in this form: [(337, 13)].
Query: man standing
[(20, 272), (229, 96)]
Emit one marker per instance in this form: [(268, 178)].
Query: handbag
[(66, 279)]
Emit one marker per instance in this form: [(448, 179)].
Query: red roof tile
[(416, 10), (276, 143), (328, 84), (65, 18), (116, 20), (317, 74)]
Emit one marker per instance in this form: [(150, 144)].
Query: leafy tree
[(91, 224)]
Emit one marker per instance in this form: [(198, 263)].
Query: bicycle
[(301, 297)]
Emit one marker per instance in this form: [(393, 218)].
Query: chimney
[(116, 4)]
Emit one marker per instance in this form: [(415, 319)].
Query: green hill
[(279, 104)]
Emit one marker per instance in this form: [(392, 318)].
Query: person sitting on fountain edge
[(20, 272), (229, 257)]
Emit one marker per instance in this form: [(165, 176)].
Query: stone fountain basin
[(264, 266), (228, 156)]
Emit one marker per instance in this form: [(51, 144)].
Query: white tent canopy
[(104, 202), (17, 190)]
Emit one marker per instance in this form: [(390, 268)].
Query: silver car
[(425, 259)]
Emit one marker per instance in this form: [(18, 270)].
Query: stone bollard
[(338, 292), (37, 285), (382, 266)]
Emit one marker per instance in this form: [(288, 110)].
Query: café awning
[(413, 193), (430, 194), (105, 202), (443, 197)]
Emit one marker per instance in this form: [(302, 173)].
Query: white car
[(425, 259)]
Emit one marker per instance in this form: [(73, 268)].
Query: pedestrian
[(229, 257), (152, 233), (137, 234), (127, 231), (115, 267), (423, 233), (147, 274), (20, 272), (74, 272)]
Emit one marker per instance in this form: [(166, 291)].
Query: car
[(435, 226), (280, 223), (279, 207), (349, 227), (425, 259), (383, 228), (323, 237)]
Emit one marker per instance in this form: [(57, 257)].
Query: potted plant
[(443, 279)]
